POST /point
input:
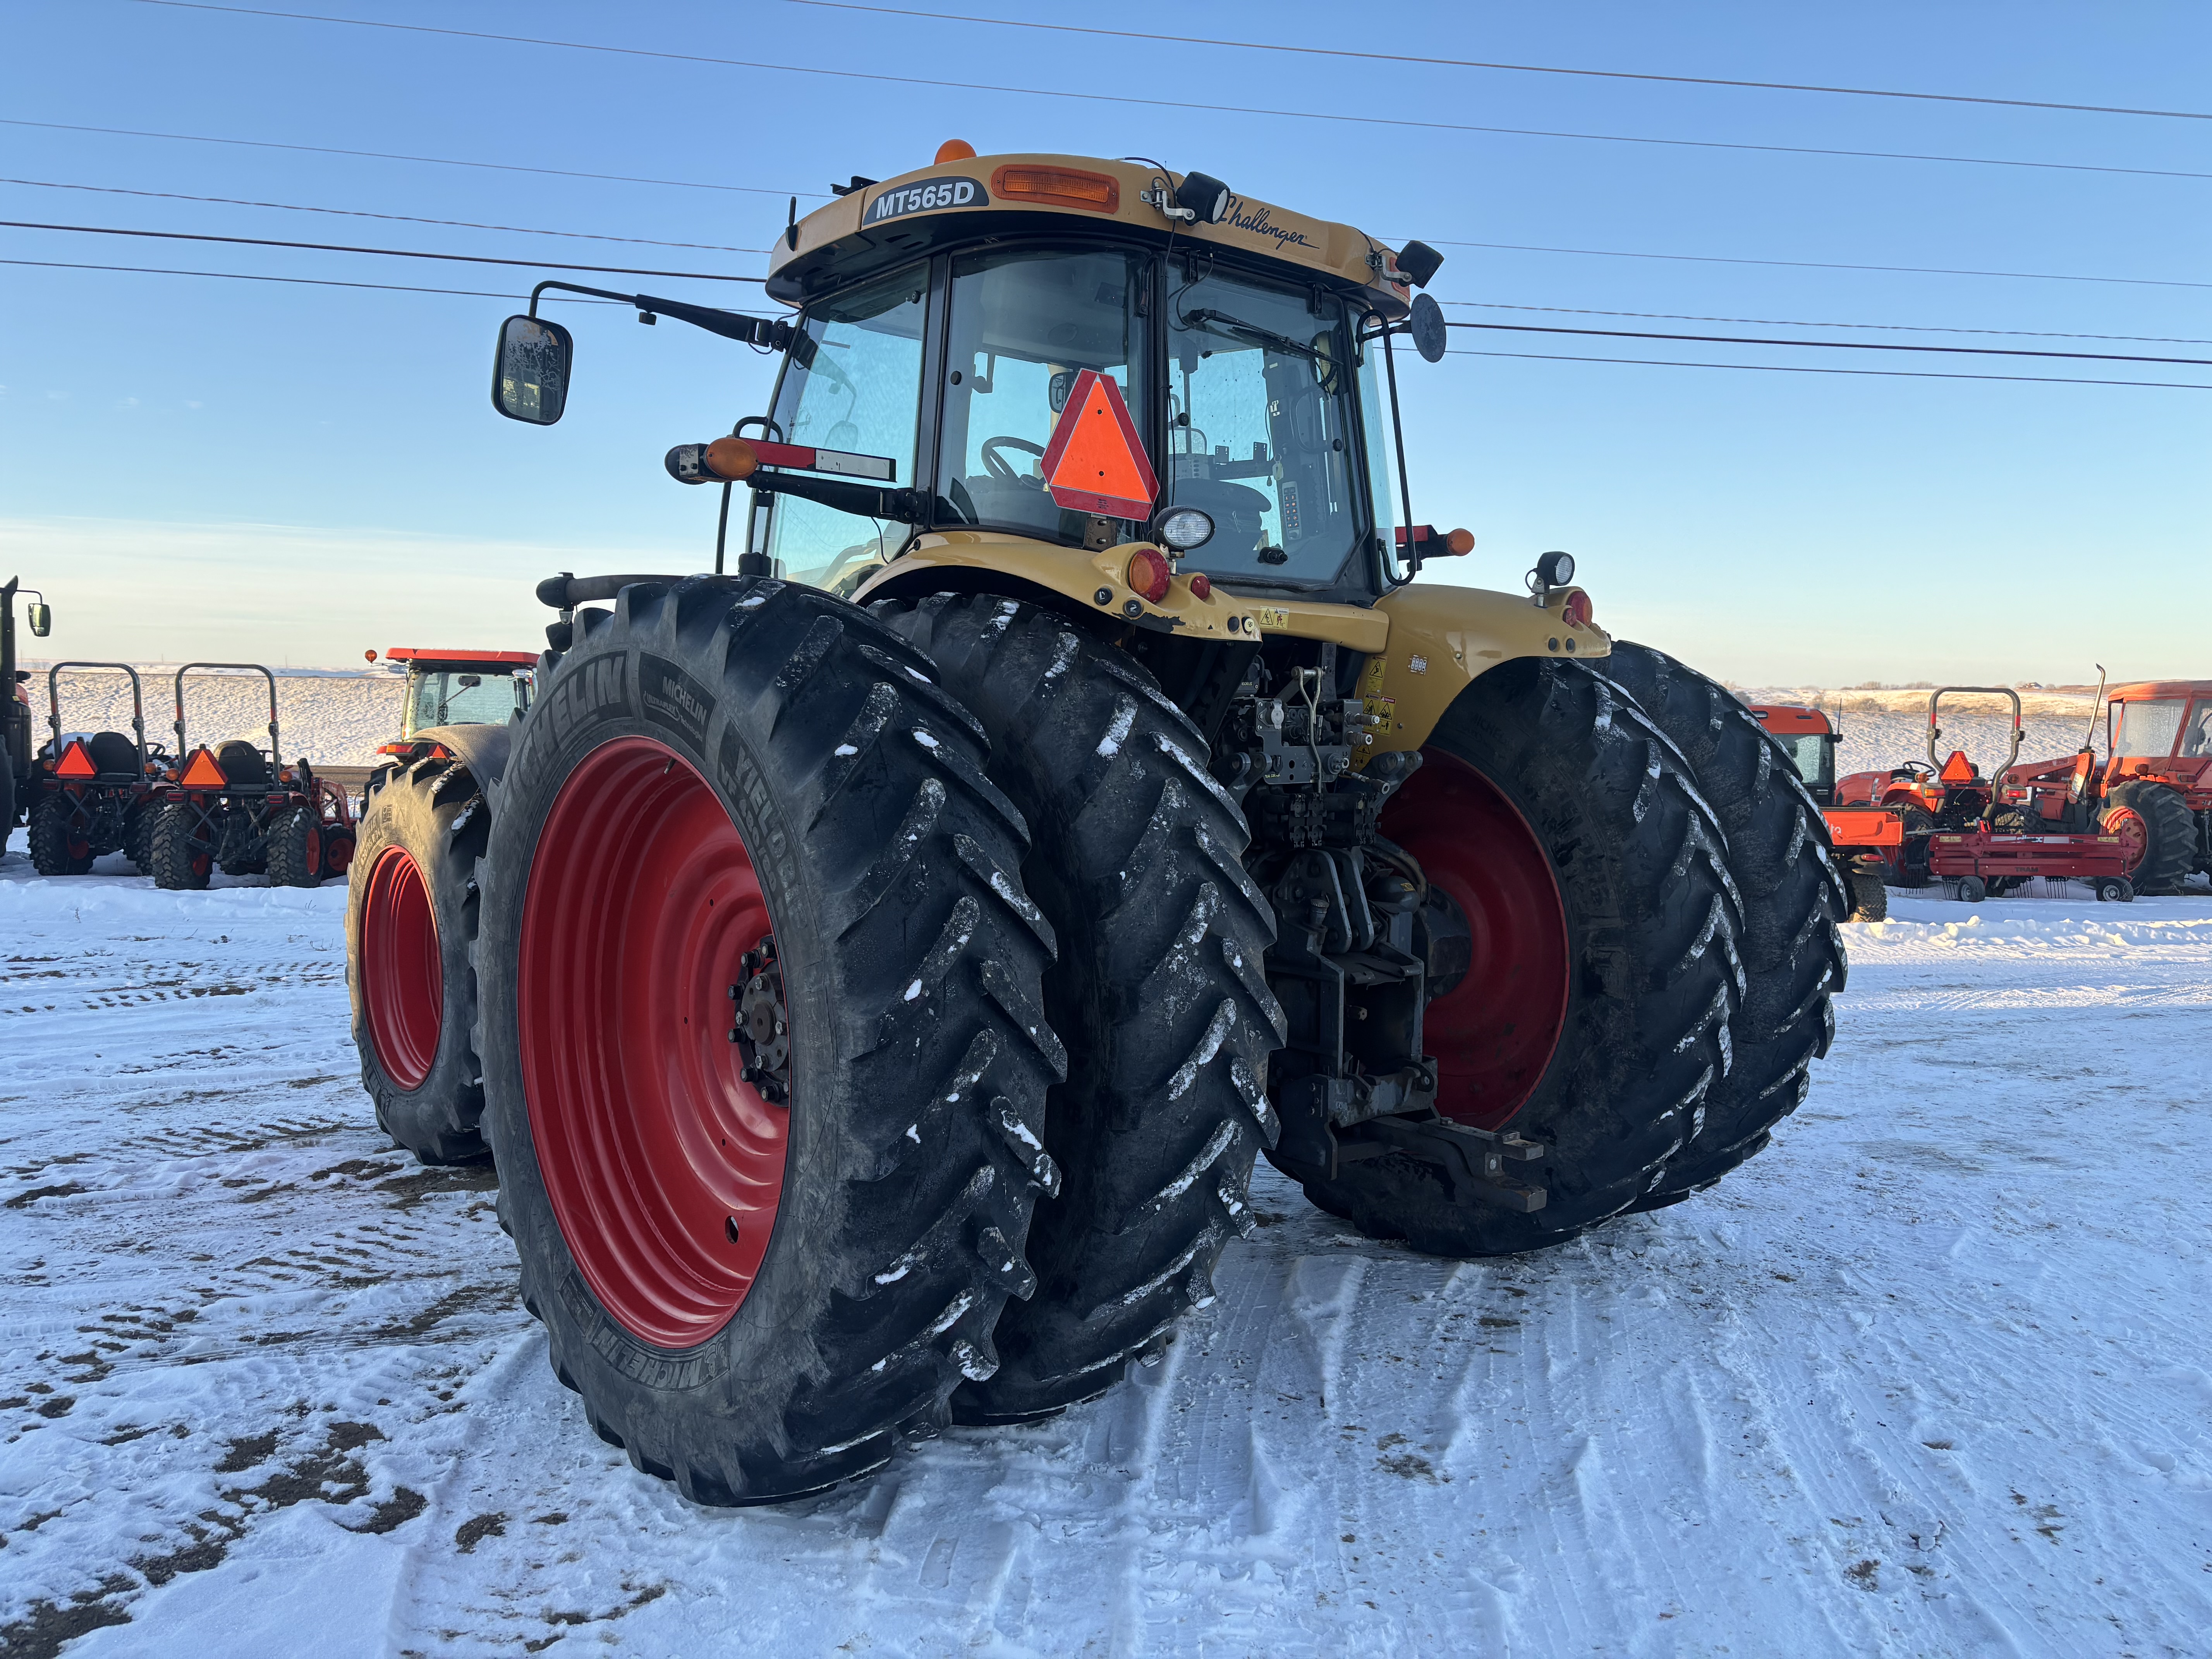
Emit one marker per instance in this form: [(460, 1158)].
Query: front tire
[(411, 907), (1592, 1018), (1158, 993), (757, 1260)]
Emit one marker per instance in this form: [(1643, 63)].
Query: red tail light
[(1201, 588), (1578, 611), (1149, 575)]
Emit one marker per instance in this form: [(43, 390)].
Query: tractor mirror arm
[(866, 501), (775, 334)]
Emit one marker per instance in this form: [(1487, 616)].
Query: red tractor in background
[(240, 806), (1949, 796), (458, 688), (1865, 839), (91, 792), (2155, 791)]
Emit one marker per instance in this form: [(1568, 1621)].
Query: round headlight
[(1555, 569), (1183, 528)]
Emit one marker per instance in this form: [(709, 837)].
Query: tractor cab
[(461, 687), (15, 744), (1810, 740)]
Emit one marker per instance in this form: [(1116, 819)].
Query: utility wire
[(1809, 368), (1837, 345), (1653, 363), (305, 281), (1064, 94), (1812, 264), (388, 252), (1799, 322), (1518, 69), (361, 213), (437, 160)]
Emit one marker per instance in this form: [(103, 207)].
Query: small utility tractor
[(1866, 840), (1948, 794), (94, 790), (877, 969), (238, 806), (15, 745), (2155, 791)]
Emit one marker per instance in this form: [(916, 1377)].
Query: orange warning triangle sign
[(75, 762), (1958, 768), (1095, 462), (203, 773)]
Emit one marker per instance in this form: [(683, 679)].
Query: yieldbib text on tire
[(1793, 959), (411, 913), (764, 1231), (1159, 991), (1593, 1016)]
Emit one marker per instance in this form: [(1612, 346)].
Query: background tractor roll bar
[(1935, 731), (137, 705), (276, 758)]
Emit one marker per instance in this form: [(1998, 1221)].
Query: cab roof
[(2145, 691), (875, 225), (1792, 718), (422, 657)]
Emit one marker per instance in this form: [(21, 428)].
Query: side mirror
[(41, 618), (1427, 320), (530, 371)]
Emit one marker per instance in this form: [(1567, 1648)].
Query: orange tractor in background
[(1866, 840), (2155, 791)]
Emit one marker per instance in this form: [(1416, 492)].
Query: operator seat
[(242, 763), (113, 754)]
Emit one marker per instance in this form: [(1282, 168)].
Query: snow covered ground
[(1931, 1376)]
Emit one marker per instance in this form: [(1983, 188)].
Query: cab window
[(2147, 728)]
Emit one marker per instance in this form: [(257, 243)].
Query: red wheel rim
[(314, 851), (2135, 834), (1494, 1032), (403, 975), (663, 1168)]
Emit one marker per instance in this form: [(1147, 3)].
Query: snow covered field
[(1931, 1376)]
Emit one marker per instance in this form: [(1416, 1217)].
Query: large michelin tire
[(2154, 816), (1159, 993), (1592, 1016), (758, 1260), (1793, 899), (411, 908)]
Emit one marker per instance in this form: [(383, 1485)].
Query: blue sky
[(203, 467)]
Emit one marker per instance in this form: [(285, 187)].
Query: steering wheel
[(1918, 768), (997, 465)]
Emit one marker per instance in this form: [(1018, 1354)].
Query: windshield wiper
[(1222, 322)]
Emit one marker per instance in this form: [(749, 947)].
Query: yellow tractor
[(875, 968)]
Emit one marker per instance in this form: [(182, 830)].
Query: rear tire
[(1869, 896), (138, 834), (182, 859), (1646, 976), (410, 937), (295, 849), (1158, 993), (56, 848), (2168, 832), (711, 763)]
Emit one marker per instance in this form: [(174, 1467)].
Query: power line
[(1838, 345), (1811, 369), (1478, 63), (305, 281), (430, 160), (388, 252), (361, 213), (1065, 94), (1799, 322), (1806, 264)]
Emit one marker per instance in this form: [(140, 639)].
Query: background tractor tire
[(58, 848), (757, 1261), (295, 849), (1158, 993), (7, 793), (1793, 957), (1594, 1019), (411, 938), (2159, 816), (1869, 896), (138, 835), (1909, 869), (182, 859)]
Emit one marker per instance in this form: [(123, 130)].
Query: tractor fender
[(482, 749)]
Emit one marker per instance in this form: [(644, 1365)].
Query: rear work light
[(1149, 575), (1095, 192), (1578, 611)]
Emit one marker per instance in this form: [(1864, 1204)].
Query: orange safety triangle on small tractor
[(1958, 768), (201, 773), (1094, 462), (75, 762)]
